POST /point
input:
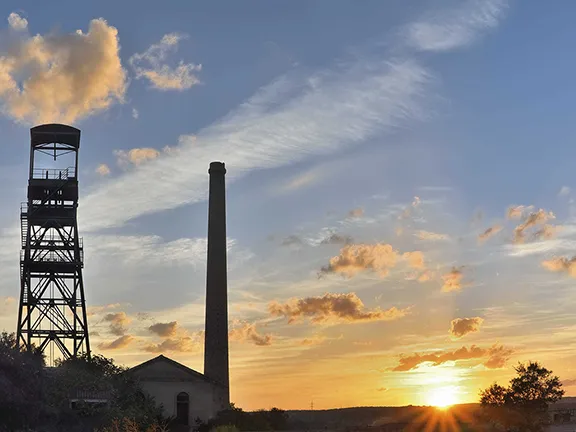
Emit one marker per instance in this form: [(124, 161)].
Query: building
[(186, 394)]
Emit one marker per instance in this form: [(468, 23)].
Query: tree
[(21, 374), (523, 406)]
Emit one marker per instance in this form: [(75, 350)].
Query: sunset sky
[(401, 214)]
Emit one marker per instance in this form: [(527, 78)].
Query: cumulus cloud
[(453, 280), (360, 257), (457, 27), (516, 212), (17, 22), (151, 65), (135, 113), (356, 213), (491, 231), (136, 156), (164, 329), (494, 357), (176, 344), (103, 170), (118, 322), (415, 259), (61, 77), (561, 264), (431, 236), (345, 308), (462, 326), (248, 332), (121, 342)]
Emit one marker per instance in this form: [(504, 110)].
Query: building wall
[(200, 394)]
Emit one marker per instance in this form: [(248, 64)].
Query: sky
[(401, 215)]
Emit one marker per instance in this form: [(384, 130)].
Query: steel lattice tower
[(52, 310)]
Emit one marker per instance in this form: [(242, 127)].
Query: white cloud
[(151, 65), (451, 29), (103, 170), (135, 113), (17, 22), (347, 108), (61, 77)]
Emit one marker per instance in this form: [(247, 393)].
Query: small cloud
[(356, 258), (493, 230), (314, 340), (178, 344), (516, 212), (494, 357), (103, 170), (462, 326), (248, 332), (164, 329), (561, 264), (135, 113), (533, 219), (95, 310), (118, 322), (356, 213), (335, 238), (121, 342), (382, 389), (17, 22), (431, 236), (415, 259), (345, 308), (409, 211), (151, 65), (569, 382), (564, 191), (136, 156), (453, 280)]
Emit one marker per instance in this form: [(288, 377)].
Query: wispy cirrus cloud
[(457, 27)]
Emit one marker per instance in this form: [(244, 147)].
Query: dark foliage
[(523, 405), (262, 420)]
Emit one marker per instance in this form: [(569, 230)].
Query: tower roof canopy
[(55, 133)]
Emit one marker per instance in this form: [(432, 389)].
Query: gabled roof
[(163, 359)]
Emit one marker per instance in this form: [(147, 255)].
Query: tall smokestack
[(216, 331)]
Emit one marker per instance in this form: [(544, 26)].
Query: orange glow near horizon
[(443, 397)]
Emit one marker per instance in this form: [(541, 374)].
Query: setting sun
[(442, 397)]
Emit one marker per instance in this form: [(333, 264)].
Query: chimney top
[(217, 167)]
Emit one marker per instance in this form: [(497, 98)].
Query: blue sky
[(332, 117)]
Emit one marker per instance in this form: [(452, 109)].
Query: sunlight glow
[(443, 397)]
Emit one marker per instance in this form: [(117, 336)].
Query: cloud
[(493, 230), (564, 191), (409, 211), (495, 357), (118, 322), (351, 105), (248, 332), (533, 219), (569, 382), (427, 235), (455, 28), (336, 238), (561, 264), (360, 257), (462, 326), (136, 156), (301, 180), (151, 65), (17, 22), (516, 212), (177, 344), (121, 342), (453, 280), (135, 113), (356, 213), (95, 310), (314, 340), (164, 329), (103, 170), (415, 259), (338, 308), (62, 77)]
